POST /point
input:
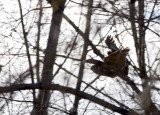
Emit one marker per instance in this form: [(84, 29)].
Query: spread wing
[(115, 64), (111, 43)]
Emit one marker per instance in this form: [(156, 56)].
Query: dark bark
[(25, 33), (95, 50), (64, 89), (81, 70), (42, 102), (140, 45)]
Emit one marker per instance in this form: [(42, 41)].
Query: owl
[(116, 59), (115, 64)]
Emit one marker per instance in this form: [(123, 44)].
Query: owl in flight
[(115, 64), (116, 59)]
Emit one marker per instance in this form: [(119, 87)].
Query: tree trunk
[(42, 102), (80, 76)]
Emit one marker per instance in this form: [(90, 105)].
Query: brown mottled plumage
[(116, 59), (115, 64)]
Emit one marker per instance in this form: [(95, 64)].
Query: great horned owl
[(115, 64)]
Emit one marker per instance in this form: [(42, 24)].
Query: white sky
[(14, 40)]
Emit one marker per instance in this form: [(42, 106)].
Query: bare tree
[(67, 71)]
